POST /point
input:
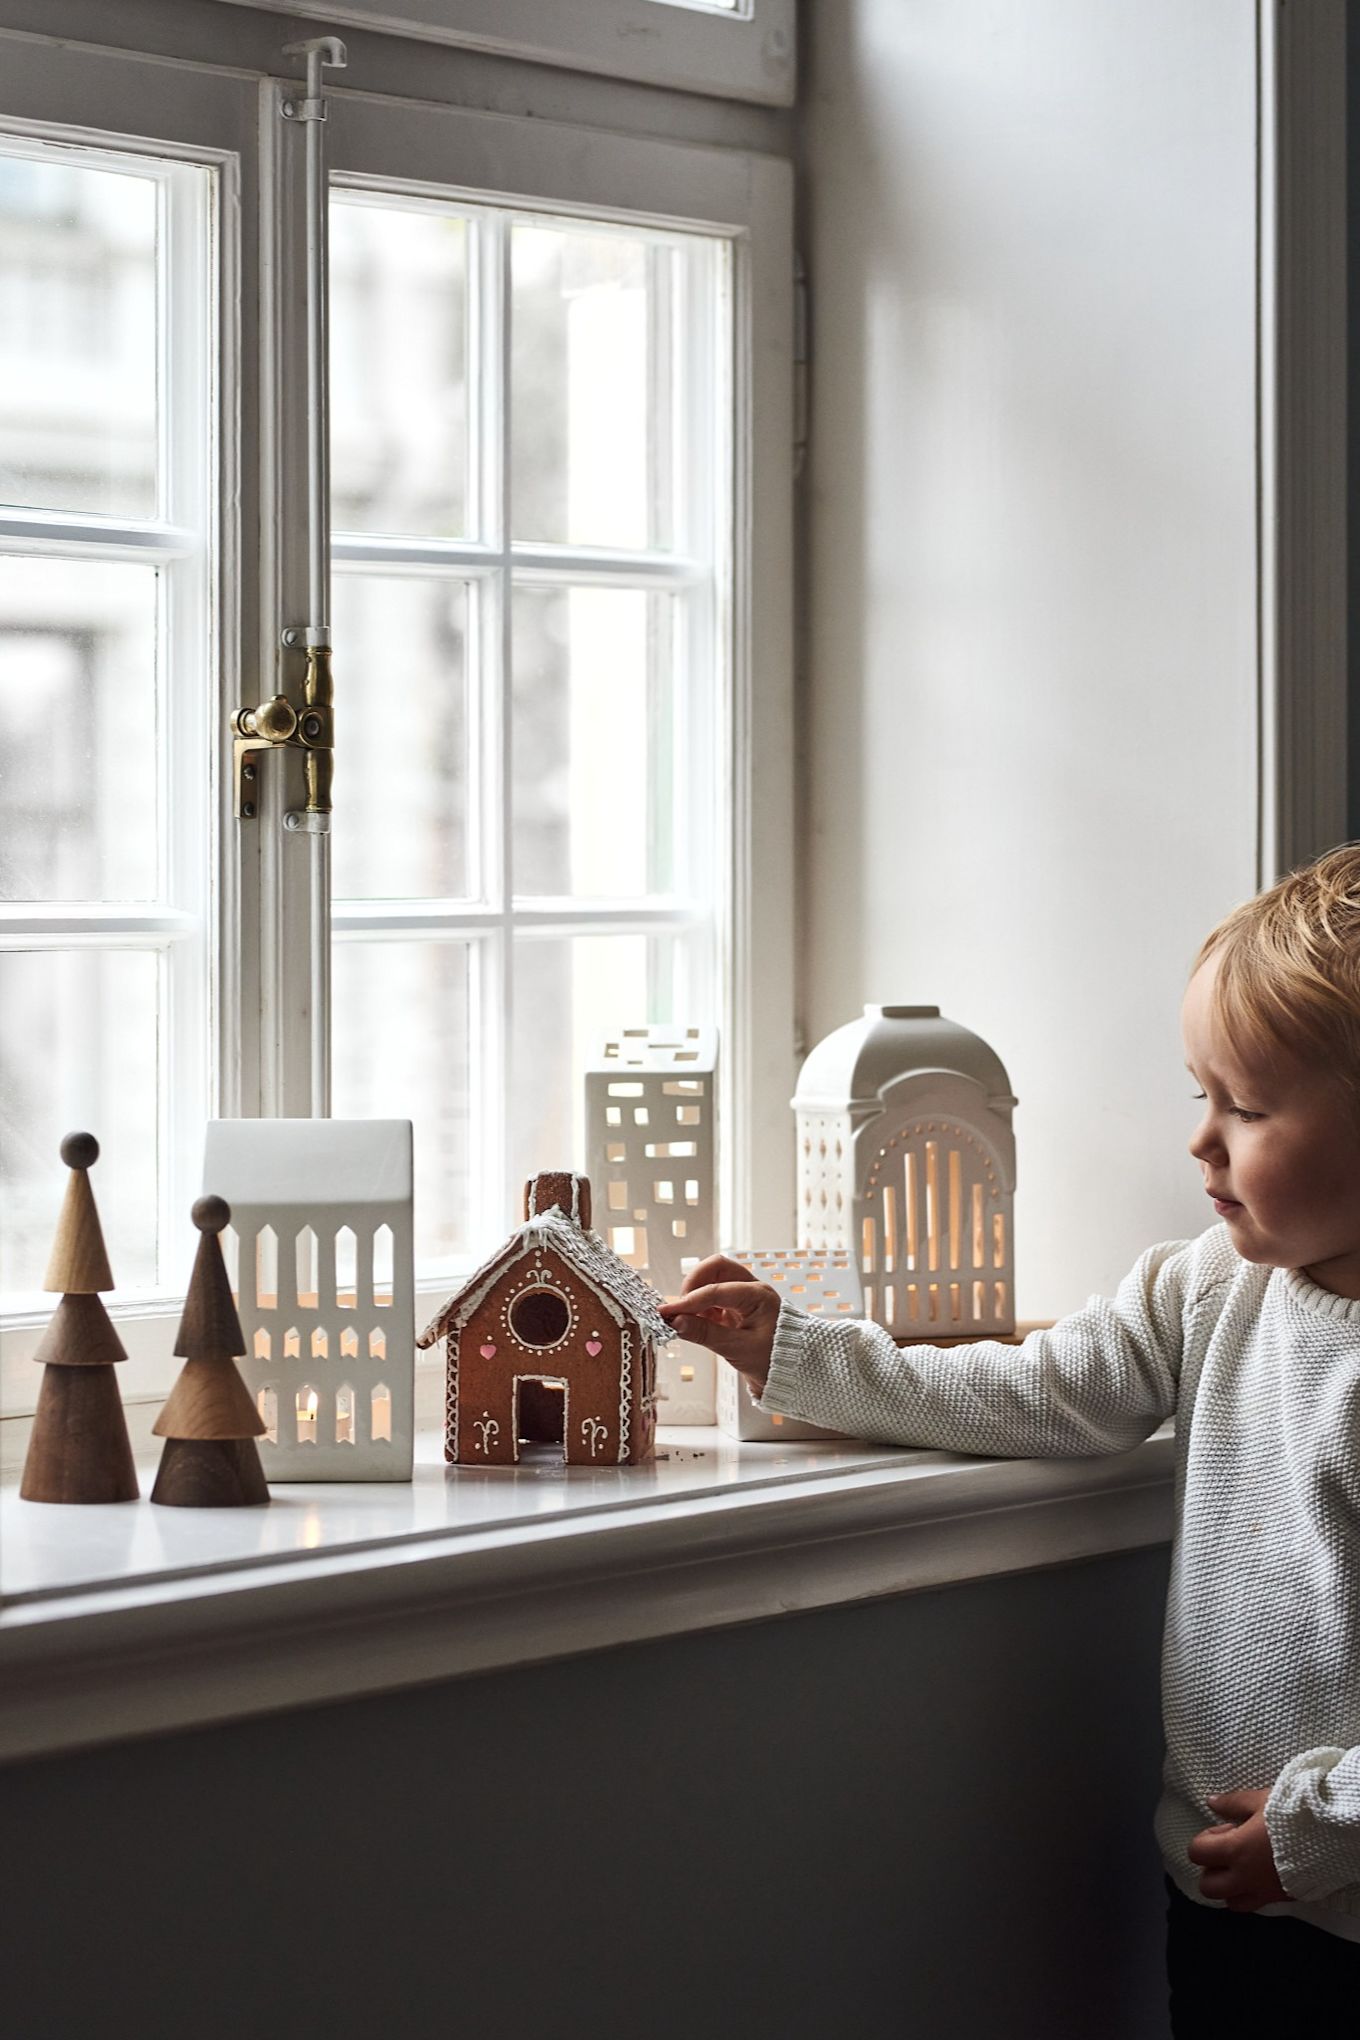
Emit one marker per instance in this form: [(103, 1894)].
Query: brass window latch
[(277, 725)]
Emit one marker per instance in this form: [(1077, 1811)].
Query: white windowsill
[(136, 1620)]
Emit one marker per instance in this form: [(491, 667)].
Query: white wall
[(1029, 708)]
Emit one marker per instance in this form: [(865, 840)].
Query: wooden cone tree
[(210, 1459), (79, 1449)]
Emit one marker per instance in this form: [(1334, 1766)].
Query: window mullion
[(495, 689)]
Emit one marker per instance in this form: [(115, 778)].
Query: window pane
[(77, 337), (400, 1051), (78, 732), (590, 425), (569, 992), (401, 800), (594, 742), (398, 368), (78, 1049)]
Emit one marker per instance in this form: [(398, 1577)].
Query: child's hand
[(1238, 1864), (721, 1306)]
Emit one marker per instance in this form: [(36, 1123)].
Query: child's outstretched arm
[(1099, 1381)]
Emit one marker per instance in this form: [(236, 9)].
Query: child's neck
[(1340, 1275)]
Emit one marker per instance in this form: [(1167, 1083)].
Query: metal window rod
[(277, 724)]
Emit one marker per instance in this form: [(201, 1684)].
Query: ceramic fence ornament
[(325, 1289), (553, 1341), (651, 1153), (78, 1449), (906, 1159), (823, 1283)]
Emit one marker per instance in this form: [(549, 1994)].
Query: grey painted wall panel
[(929, 1816)]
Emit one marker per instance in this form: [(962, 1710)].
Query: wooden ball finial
[(211, 1214), (80, 1150)]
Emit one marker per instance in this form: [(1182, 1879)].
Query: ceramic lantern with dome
[(906, 1157)]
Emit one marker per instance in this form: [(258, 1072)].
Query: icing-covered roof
[(622, 1291)]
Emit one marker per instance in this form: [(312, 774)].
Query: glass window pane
[(78, 730), (400, 1051), (77, 337), (594, 742), (590, 424), (78, 1049), (398, 393), (569, 992), (401, 785)]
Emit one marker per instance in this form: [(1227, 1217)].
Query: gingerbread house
[(553, 1341)]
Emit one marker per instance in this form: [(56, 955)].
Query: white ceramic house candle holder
[(651, 1149), (824, 1284), (323, 1273), (906, 1157)]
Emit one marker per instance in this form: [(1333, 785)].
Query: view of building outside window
[(562, 898), (84, 680)]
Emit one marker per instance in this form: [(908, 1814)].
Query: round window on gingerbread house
[(540, 1317)]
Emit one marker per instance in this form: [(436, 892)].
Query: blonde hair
[(1288, 980)]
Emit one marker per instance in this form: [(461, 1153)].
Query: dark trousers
[(1236, 1974)]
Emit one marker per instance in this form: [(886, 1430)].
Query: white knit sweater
[(1261, 1653)]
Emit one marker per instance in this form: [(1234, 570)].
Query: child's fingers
[(741, 1297), (700, 1332)]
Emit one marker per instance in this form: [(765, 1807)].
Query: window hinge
[(800, 363)]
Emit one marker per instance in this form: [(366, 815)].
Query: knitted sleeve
[(1099, 1381), (1313, 1820)]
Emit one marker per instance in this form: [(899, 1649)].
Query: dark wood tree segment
[(80, 1335), (209, 1327), (79, 1261), (79, 1449), (559, 1187), (210, 1400), (210, 1422), (210, 1473)]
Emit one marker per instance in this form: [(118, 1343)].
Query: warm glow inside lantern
[(906, 1158)]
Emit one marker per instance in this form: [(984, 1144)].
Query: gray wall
[(1030, 583), (927, 1817)]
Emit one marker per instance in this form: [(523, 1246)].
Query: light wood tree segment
[(210, 1473), (209, 1327), (80, 1335), (209, 1400), (79, 1263), (79, 1449)]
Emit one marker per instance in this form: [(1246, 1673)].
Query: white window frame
[(544, 166), (744, 52)]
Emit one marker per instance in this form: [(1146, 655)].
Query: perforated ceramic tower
[(651, 1154), (323, 1274), (906, 1157), (822, 1284)]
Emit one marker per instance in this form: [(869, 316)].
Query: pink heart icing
[(593, 1346), (487, 1350)]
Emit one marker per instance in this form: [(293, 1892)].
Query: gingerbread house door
[(540, 1410)]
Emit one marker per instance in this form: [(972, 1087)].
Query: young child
[(1250, 1336)]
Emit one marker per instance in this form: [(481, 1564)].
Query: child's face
[(1279, 1148)]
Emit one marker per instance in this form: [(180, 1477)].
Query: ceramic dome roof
[(859, 1061)]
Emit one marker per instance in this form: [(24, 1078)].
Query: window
[(531, 505), (547, 810), (108, 608)]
